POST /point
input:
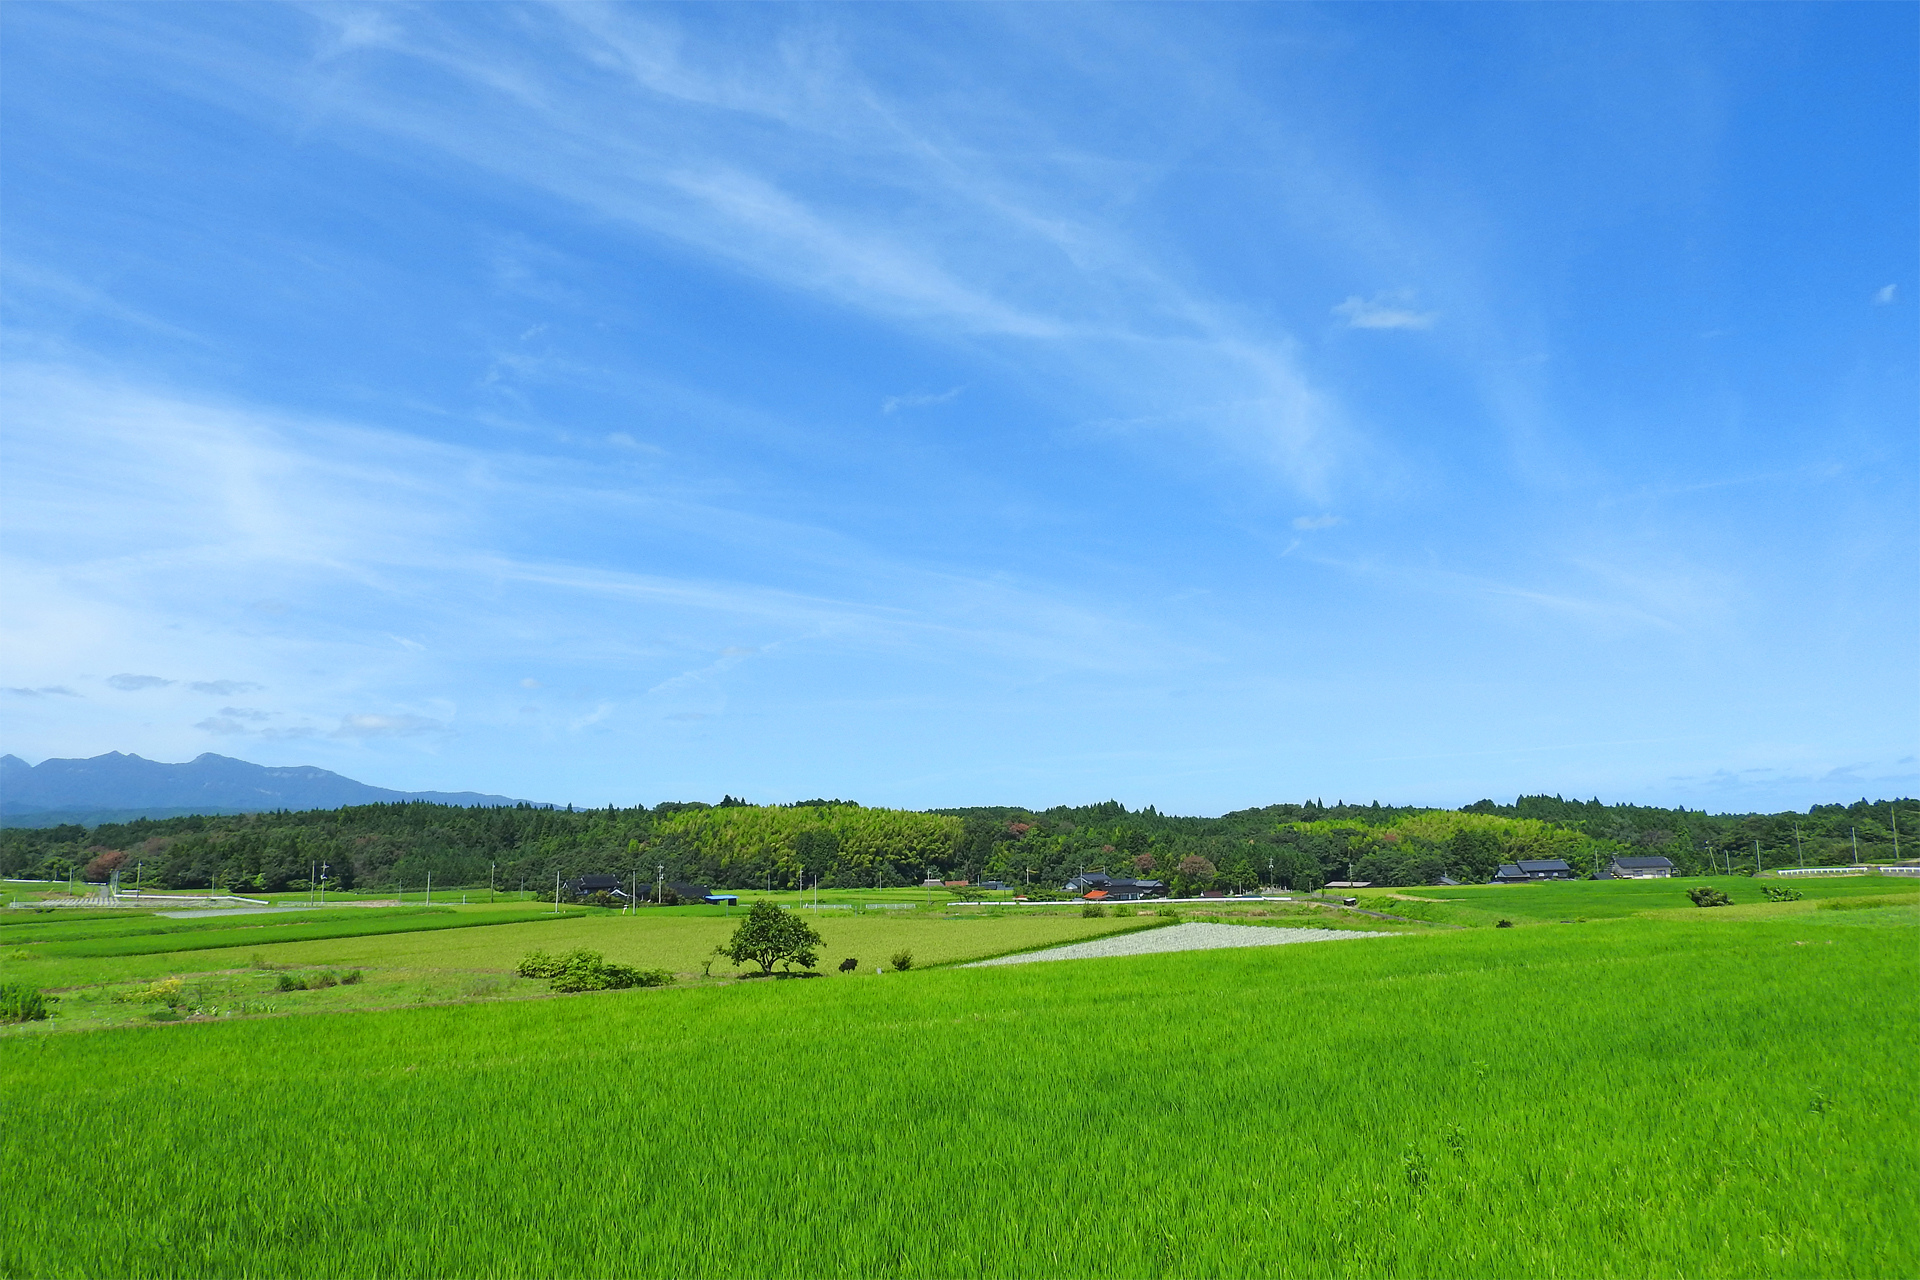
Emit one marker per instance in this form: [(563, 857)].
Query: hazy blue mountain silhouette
[(128, 786)]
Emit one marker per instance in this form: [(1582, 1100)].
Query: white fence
[(1849, 871)]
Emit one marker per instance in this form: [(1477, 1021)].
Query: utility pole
[(1756, 857), (660, 890), (1799, 854), (429, 888), (1856, 845), (312, 875), (1893, 816), (323, 883), (556, 893), (491, 868)]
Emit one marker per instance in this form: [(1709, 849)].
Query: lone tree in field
[(770, 936)]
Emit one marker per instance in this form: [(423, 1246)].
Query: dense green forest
[(839, 843)]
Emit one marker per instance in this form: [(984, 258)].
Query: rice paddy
[(1651, 1095)]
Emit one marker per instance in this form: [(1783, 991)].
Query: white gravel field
[(1179, 937)]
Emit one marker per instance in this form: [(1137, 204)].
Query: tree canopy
[(771, 935), (1301, 846)]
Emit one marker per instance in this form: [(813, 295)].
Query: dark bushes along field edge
[(583, 970)]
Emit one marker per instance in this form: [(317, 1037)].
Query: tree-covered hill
[(738, 845)]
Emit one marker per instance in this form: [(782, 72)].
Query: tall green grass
[(1552, 901), (1625, 1099), (131, 924), (269, 932)]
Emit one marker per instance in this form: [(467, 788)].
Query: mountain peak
[(209, 783)]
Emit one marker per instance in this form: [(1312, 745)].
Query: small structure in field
[(1653, 868), (849, 965), (700, 893)]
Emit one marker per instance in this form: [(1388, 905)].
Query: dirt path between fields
[(1180, 937)]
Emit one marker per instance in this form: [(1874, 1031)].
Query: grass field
[(411, 956), (1726, 1092), (1551, 901)]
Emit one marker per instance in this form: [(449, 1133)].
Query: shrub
[(583, 970), (1168, 912), (352, 977), (1708, 896), (1093, 909), (287, 982), (1781, 893), (901, 961), (1504, 924), (170, 992), (20, 1003), (538, 964)]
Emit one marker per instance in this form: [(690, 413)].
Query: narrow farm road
[(1179, 937)]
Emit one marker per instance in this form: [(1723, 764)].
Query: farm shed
[(1640, 868)]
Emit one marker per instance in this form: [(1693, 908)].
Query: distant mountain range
[(116, 787)]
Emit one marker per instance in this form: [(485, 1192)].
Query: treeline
[(840, 844)]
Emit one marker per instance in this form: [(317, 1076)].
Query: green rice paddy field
[(1656, 1090)]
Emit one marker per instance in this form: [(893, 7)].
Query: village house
[(1101, 887), (1528, 870), (1640, 868), (587, 886)]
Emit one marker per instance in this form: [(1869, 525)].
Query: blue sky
[(1196, 406)]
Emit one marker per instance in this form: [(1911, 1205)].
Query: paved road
[(1180, 937)]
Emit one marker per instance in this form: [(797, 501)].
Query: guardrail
[(1862, 869)]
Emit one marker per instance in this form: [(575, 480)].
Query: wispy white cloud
[(166, 494), (367, 725), (1885, 295), (45, 690), (787, 161), (1384, 311), (1311, 523), (893, 404)]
